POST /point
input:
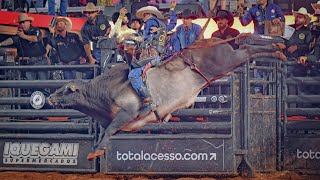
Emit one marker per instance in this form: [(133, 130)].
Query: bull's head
[(68, 96)]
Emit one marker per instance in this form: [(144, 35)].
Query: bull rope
[(218, 42)]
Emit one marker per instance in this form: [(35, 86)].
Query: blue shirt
[(183, 38), (259, 15), (152, 22)]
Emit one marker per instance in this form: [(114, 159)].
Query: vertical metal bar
[(95, 72), (284, 111), (19, 89), (278, 115), (246, 89), (234, 108)]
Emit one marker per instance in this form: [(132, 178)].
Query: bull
[(110, 99)]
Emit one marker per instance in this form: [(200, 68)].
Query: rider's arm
[(147, 31)]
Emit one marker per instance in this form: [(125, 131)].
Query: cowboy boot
[(147, 104)]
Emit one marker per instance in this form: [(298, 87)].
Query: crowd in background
[(71, 49)]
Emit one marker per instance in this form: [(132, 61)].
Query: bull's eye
[(67, 90)]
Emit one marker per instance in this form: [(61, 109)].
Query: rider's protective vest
[(154, 47), (160, 38)]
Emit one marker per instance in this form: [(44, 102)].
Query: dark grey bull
[(111, 100)]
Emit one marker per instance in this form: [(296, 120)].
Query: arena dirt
[(285, 175)]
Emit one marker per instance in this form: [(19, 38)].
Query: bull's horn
[(73, 88)]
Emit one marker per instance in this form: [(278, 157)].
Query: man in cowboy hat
[(261, 12), (29, 44), (96, 26), (121, 30), (136, 24), (187, 32), (224, 20), (298, 44), (68, 45), (315, 25)]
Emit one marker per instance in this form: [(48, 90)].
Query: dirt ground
[(285, 175)]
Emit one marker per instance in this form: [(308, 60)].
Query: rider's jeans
[(136, 73)]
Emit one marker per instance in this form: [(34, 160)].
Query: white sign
[(41, 153), (37, 100), (288, 32)]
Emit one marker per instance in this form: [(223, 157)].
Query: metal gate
[(29, 141), (301, 124), (209, 138)]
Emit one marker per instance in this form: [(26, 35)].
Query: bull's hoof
[(99, 152), (91, 156), (280, 46)]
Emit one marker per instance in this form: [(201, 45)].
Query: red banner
[(40, 20)]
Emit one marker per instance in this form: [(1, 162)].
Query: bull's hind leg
[(277, 55), (122, 118), (257, 48), (268, 51)]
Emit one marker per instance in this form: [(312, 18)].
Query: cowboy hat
[(303, 11), (65, 20), (224, 14), (115, 17), (24, 17), (149, 9), (134, 18), (90, 8), (187, 14), (315, 5)]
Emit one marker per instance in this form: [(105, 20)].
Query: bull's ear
[(74, 88)]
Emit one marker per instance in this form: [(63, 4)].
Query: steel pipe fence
[(301, 111), (21, 126)]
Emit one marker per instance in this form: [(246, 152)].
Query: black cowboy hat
[(187, 14), (134, 18), (224, 14), (116, 15)]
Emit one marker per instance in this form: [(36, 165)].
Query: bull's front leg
[(121, 119)]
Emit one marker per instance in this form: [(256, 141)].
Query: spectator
[(96, 27), (121, 29), (36, 3), (187, 32), (29, 44), (63, 7), (315, 26), (68, 46), (298, 44), (263, 11), (136, 24), (173, 17), (224, 20)]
